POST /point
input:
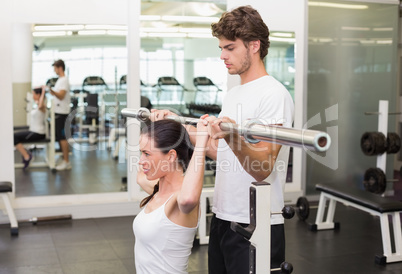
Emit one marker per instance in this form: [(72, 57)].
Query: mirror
[(180, 66), (180, 69), (95, 58)]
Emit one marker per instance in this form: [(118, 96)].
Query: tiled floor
[(106, 246)]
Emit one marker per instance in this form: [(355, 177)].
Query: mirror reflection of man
[(61, 104)]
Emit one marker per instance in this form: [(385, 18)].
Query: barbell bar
[(254, 132)]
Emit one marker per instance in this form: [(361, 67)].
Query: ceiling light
[(48, 33), (92, 32), (159, 29), (117, 32), (280, 39), (383, 29), (384, 41), (282, 34), (199, 35), (196, 30), (107, 27), (336, 5), (195, 19), (150, 17), (58, 27), (325, 40), (367, 41), (206, 9), (163, 34), (356, 28)]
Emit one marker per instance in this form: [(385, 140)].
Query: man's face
[(236, 56), (57, 70)]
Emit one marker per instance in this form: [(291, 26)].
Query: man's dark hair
[(59, 63), (243, 23)]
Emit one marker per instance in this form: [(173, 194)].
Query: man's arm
[(258, 159), (59, 94)]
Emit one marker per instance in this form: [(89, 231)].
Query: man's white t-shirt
[(267, 101), (62, 106)]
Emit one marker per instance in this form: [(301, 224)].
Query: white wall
[(6, 121)]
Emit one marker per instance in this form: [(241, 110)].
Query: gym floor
[(106, 246)]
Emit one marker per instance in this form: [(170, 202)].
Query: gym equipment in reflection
[(51, 82), (47, 144), (253, 132), (197, 110), (204, 88), (94, 84), (169, 85), (98, 107)]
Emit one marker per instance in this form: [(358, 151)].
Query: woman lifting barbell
[(165, 229)]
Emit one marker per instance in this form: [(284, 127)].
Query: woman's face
[(35, 96), (154, 162)]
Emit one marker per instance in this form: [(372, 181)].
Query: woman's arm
[(212, 145), (144, 183), (189, 195), (42, 100)]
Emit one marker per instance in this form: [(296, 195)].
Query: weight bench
[(5, 189), (369, 202), (49, 144)]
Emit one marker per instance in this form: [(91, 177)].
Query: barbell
[(254, 132)]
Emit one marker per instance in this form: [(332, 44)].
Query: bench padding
[(362, 197), (6, 187)]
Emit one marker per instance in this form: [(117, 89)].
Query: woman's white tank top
[(161, 246), (37, 121)]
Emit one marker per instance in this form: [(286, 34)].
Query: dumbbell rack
[(383, 128)]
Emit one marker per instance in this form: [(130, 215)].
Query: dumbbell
[(285, 268), (287, 212), (302, 209)]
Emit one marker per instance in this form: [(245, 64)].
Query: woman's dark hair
[(37, 90), (167, 135), (244, 23)]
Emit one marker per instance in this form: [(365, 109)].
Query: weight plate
[(393, 143), (375, 180), (302, 208), (373, 143)]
